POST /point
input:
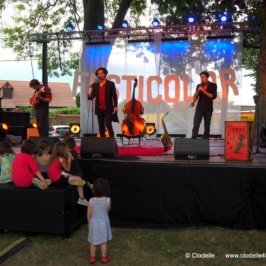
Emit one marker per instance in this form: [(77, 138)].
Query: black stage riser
[(170, 194)]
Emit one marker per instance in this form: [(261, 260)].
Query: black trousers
[(199, 114), (42, 120), (105, 121)]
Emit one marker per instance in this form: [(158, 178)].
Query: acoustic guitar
[(34, 100)]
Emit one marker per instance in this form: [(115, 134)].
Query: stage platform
[(160, 191)]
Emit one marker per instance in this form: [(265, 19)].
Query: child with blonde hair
[(98, 220), (59, 162), (6, 158)]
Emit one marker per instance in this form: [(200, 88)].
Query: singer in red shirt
[(104, 92), (205, 93)]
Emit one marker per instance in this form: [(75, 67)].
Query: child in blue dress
[(98, 220)]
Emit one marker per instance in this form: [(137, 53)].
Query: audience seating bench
[(54, 210)]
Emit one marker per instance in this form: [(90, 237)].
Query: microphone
[(95, 81)]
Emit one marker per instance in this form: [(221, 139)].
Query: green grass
[(142, 247)]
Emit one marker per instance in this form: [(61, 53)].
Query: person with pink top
[(59, 162)]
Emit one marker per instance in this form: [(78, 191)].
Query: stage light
[(155, 23), (150, 130), (3, 131), (75, 128), (125, 24), (3, 126), (223, 18), (100, 26), (69, 27), (191, 19), (33, 125)]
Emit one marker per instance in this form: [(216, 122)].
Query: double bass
[(133, 125)]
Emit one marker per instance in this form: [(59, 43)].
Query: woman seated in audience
[(60, 162), (25, 171), (75, 168)]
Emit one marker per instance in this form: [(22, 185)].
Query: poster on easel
[(238, 140)]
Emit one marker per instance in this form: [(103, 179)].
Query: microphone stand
[(256, 101), (92, 99)]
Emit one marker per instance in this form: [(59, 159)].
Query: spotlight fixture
[(69, 27), (125, 24), (155, 23), (3, 131), (150, 128), (33, 125), (75, 128), (100, 26), (191, 19), (150, 131), (223, 18), (3, 126)]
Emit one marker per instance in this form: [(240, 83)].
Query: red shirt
[(102, 104), (54, 171), (24, 168)]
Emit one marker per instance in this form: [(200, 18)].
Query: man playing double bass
[(104, 92)]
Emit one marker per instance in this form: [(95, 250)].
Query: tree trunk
[(121, 13), (260, 116), (93, 13)]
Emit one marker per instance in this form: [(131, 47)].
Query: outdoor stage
[(160, 191)]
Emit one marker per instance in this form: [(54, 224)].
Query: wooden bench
[(54, 210)]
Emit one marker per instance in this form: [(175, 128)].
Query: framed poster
[(238, 140)]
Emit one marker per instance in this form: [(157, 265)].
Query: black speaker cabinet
[(17, 122), (52, 140), (191, 149), (103, 147)]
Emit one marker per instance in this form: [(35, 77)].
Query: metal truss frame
[(142, 33)]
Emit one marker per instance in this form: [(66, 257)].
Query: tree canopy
[(47, 16)]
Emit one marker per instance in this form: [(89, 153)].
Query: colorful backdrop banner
[(167, 73)]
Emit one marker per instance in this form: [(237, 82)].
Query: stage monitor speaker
[(100, 147), (52, 141), (191, 149)]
